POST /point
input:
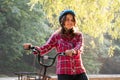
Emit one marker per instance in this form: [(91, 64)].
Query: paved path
[(8, 78), (90, 76)]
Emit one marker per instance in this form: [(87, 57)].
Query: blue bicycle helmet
[(66, 12)]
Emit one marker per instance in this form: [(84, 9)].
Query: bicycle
[(41, 60)]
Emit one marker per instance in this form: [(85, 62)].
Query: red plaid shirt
[(66, 64)]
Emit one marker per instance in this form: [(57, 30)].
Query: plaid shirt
[(66, 64)]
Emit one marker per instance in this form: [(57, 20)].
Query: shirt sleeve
[(49, 45), (79, 43)]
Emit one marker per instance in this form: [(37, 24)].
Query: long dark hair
[(63, 30)]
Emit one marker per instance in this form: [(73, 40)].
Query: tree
[(19, 25), (94, 17)]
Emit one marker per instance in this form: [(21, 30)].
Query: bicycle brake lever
[(34, 49)]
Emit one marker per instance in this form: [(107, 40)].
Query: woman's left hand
[(69, 53)]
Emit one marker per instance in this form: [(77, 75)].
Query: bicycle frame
[(45, 66), (44, 77)]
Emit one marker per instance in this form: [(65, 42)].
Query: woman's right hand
[(27, 46)]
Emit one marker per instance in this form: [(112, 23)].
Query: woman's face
[(69, 22)]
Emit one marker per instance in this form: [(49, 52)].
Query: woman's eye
[(70, 20)]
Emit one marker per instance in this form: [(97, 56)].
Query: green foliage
[(16, 66), (112, 62), (91, 55), (96, 53), (92, 64), (94, 17), (19, 25)]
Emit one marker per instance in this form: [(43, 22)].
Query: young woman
[(67, 40)]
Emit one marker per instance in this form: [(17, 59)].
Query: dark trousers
[(82, 76)]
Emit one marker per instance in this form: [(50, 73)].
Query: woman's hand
[(70, 52), (27, 46)]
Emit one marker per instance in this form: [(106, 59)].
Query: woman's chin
[(70, 28)]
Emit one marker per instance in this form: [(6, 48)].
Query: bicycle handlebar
[(40, 57), (45, 57)]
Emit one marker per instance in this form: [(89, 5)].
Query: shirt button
[(73, 70)]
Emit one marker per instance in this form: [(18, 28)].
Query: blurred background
[(33, 21)]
